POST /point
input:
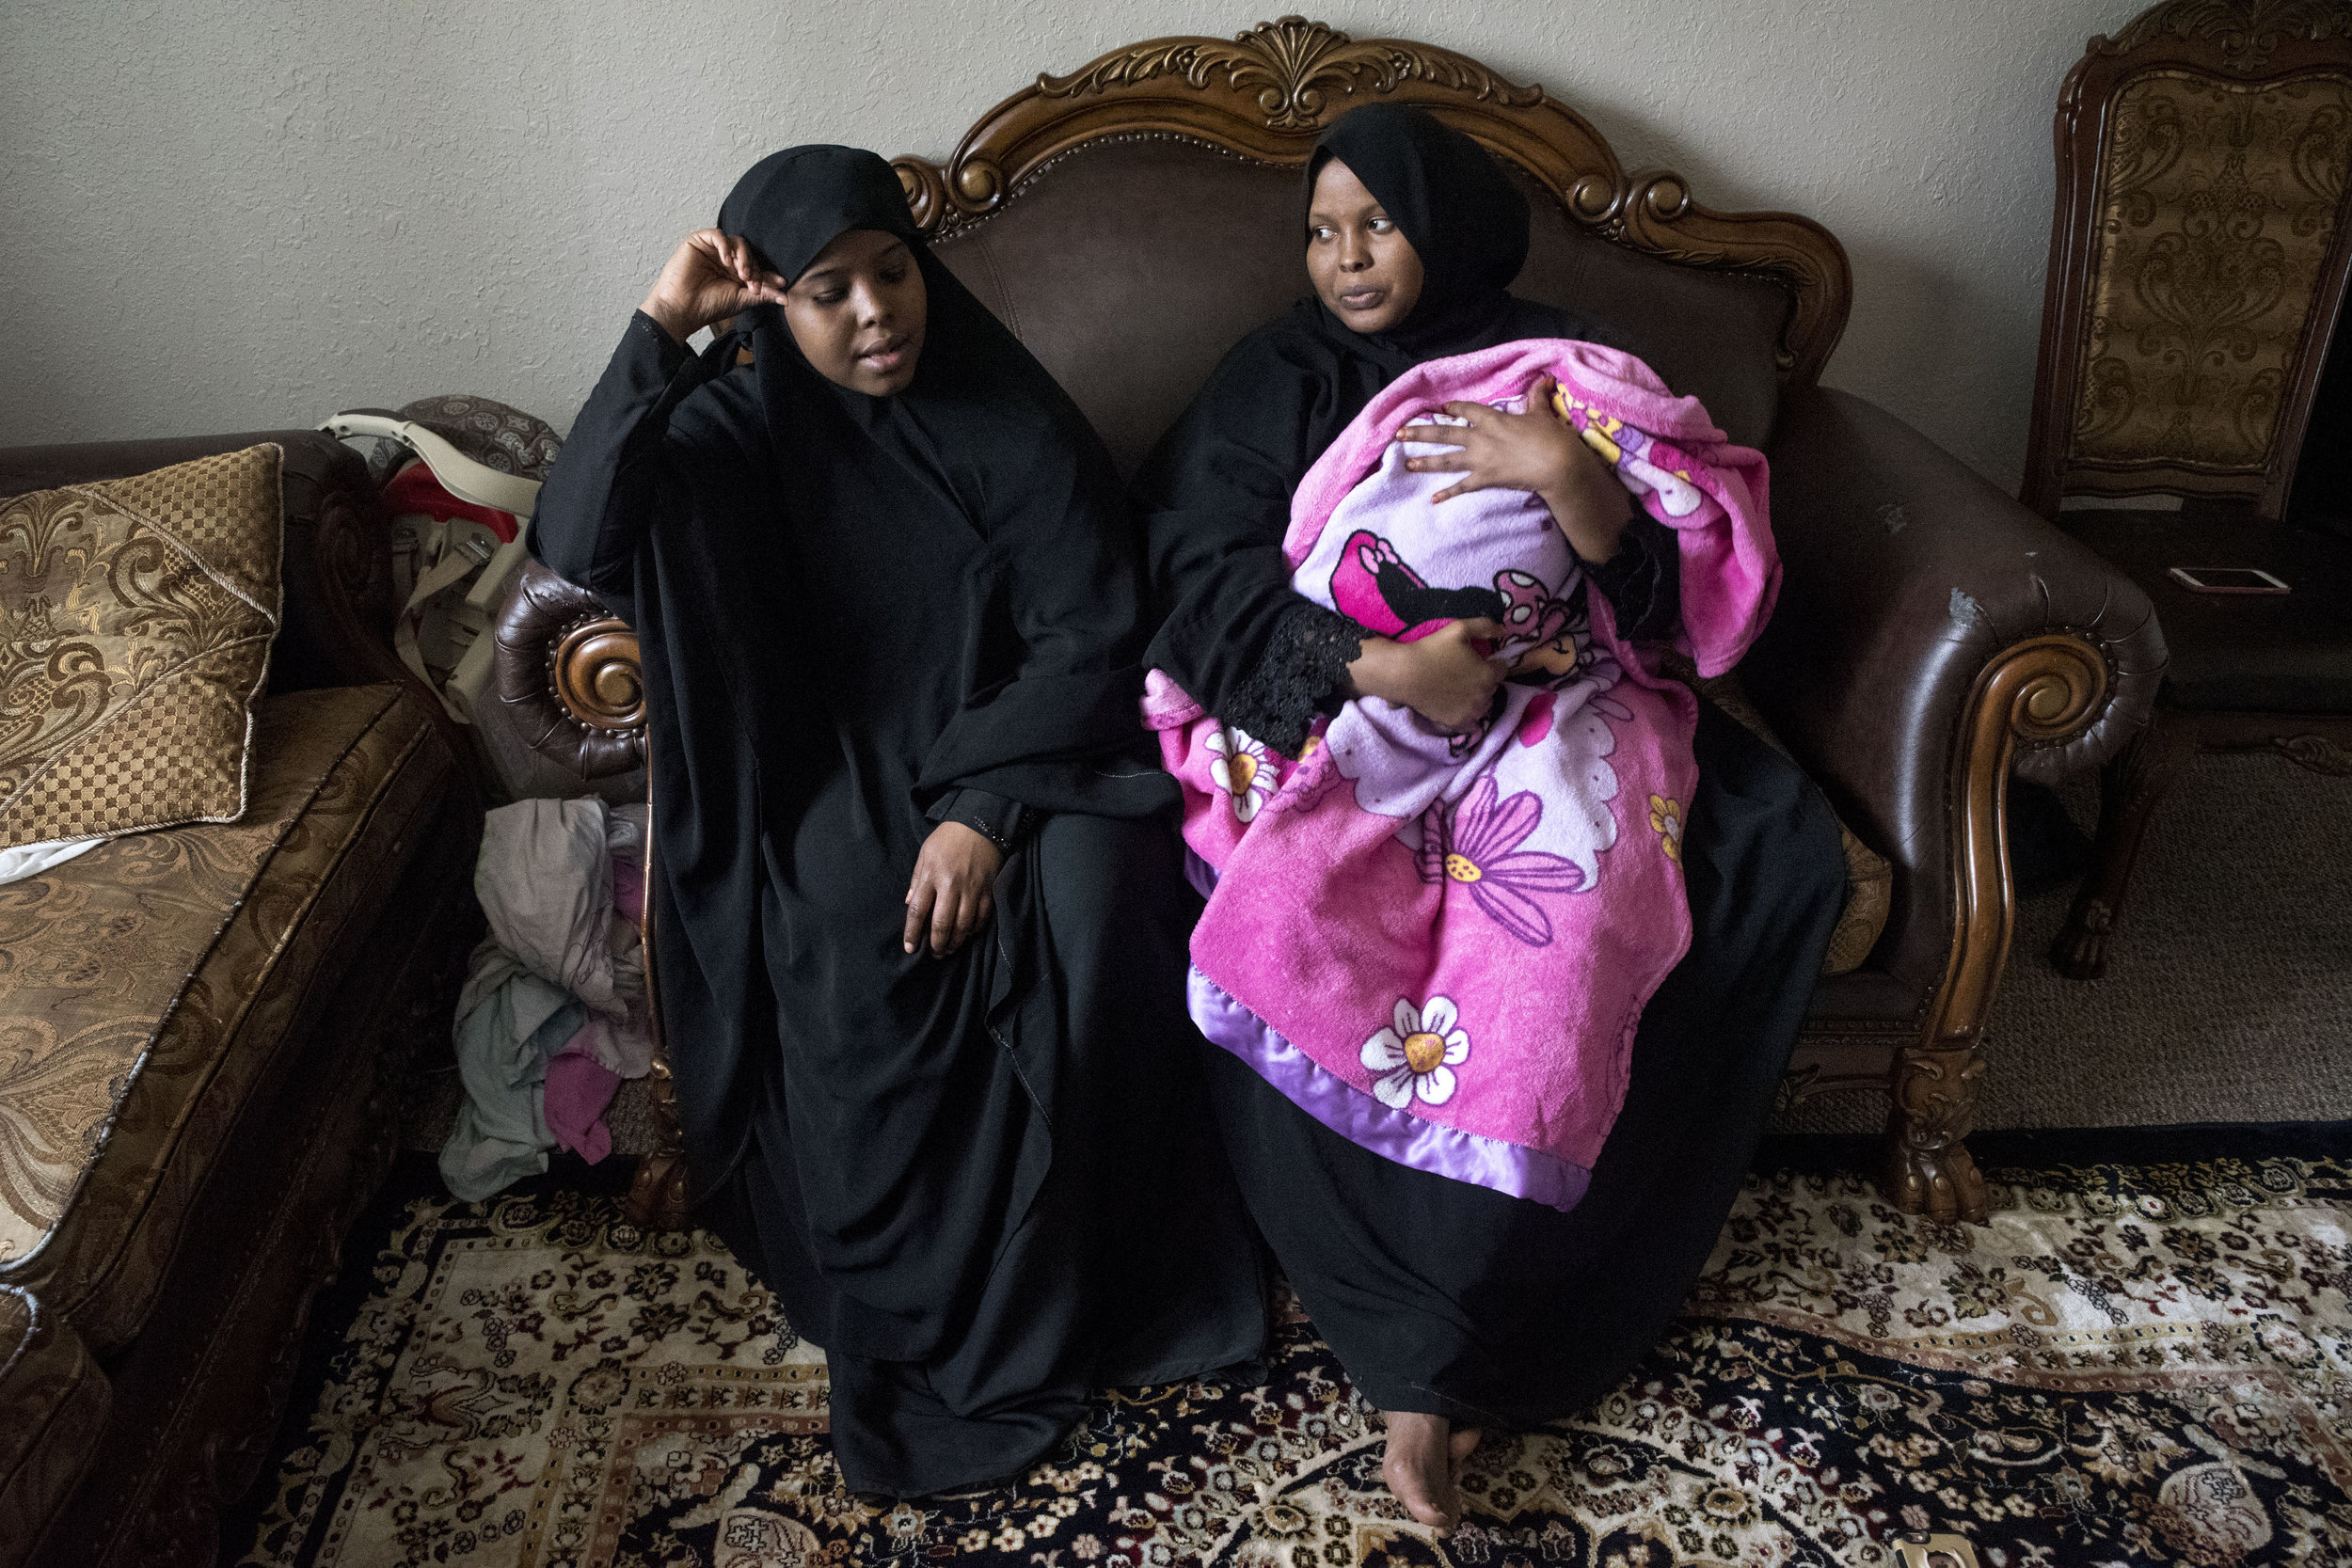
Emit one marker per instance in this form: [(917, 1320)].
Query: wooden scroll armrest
[(566, 668), (1932, 636)]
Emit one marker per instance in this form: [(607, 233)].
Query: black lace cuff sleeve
[(1304, 673), (1643, 581)]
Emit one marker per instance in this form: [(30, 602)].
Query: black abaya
[(1440, 1295), (859, 615)]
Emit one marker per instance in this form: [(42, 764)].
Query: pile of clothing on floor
[(553, 1014)]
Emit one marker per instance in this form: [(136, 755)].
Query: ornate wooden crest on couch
[(1132, 218), (2199, 257)]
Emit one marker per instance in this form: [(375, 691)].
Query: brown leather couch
[(210, 1020), (1132, 220)]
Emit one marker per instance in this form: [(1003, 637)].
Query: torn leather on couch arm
[(1905, 573)]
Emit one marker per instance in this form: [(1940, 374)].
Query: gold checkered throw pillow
[(135, 619)]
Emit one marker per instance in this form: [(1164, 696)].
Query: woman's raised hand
[(1537, 450), (954, 888), (1448, 678), (709, 277)]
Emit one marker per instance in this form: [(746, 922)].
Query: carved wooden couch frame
[(1932, 634)]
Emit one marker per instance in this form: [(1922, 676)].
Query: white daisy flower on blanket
[(1417, 1056), (1244, 770)]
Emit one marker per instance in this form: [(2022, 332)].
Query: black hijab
[(1464, 219), (982, 433), (1217, 490)]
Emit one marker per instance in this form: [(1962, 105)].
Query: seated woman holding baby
[(1510, 935)]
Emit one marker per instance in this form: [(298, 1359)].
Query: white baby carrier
[(447, 569)]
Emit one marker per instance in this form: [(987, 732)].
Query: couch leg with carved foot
[(659, 1198), (661, 1195), (1929, 1170), (2041, 690), (2131, 786)]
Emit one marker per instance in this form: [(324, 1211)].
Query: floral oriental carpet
[(2146, 1358)]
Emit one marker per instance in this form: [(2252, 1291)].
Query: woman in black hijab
[(1454, 1306), (888, 606)]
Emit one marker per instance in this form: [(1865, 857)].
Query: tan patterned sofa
[(198, 1028)]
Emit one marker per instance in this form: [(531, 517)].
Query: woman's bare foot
[(1459, 1447), (1424, 1467)]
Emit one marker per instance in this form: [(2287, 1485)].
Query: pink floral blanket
[(1440, 946)]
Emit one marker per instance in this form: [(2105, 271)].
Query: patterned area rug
[(2137, 1362)]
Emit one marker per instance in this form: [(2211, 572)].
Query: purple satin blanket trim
[(1200, 873), (1397, 1135)]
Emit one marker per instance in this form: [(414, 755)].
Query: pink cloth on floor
[(1440, 946), (579, 1088)]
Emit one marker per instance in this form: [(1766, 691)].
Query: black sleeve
[(1216, 496), (1059, 731), (999, 820), (598, 499), (1303, 674), (1643, 581)]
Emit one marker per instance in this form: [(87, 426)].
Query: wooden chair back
[(2197, 253)]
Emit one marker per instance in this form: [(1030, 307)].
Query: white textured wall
[(220, 216)]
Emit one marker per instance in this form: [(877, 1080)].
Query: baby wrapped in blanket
[(1440, 946)]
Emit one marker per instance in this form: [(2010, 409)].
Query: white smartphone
[(2227, 579)]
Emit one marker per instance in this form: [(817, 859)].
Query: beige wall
[(218, 216)]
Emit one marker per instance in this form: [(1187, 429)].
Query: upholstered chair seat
[(2240, 653), (57, 1398)]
